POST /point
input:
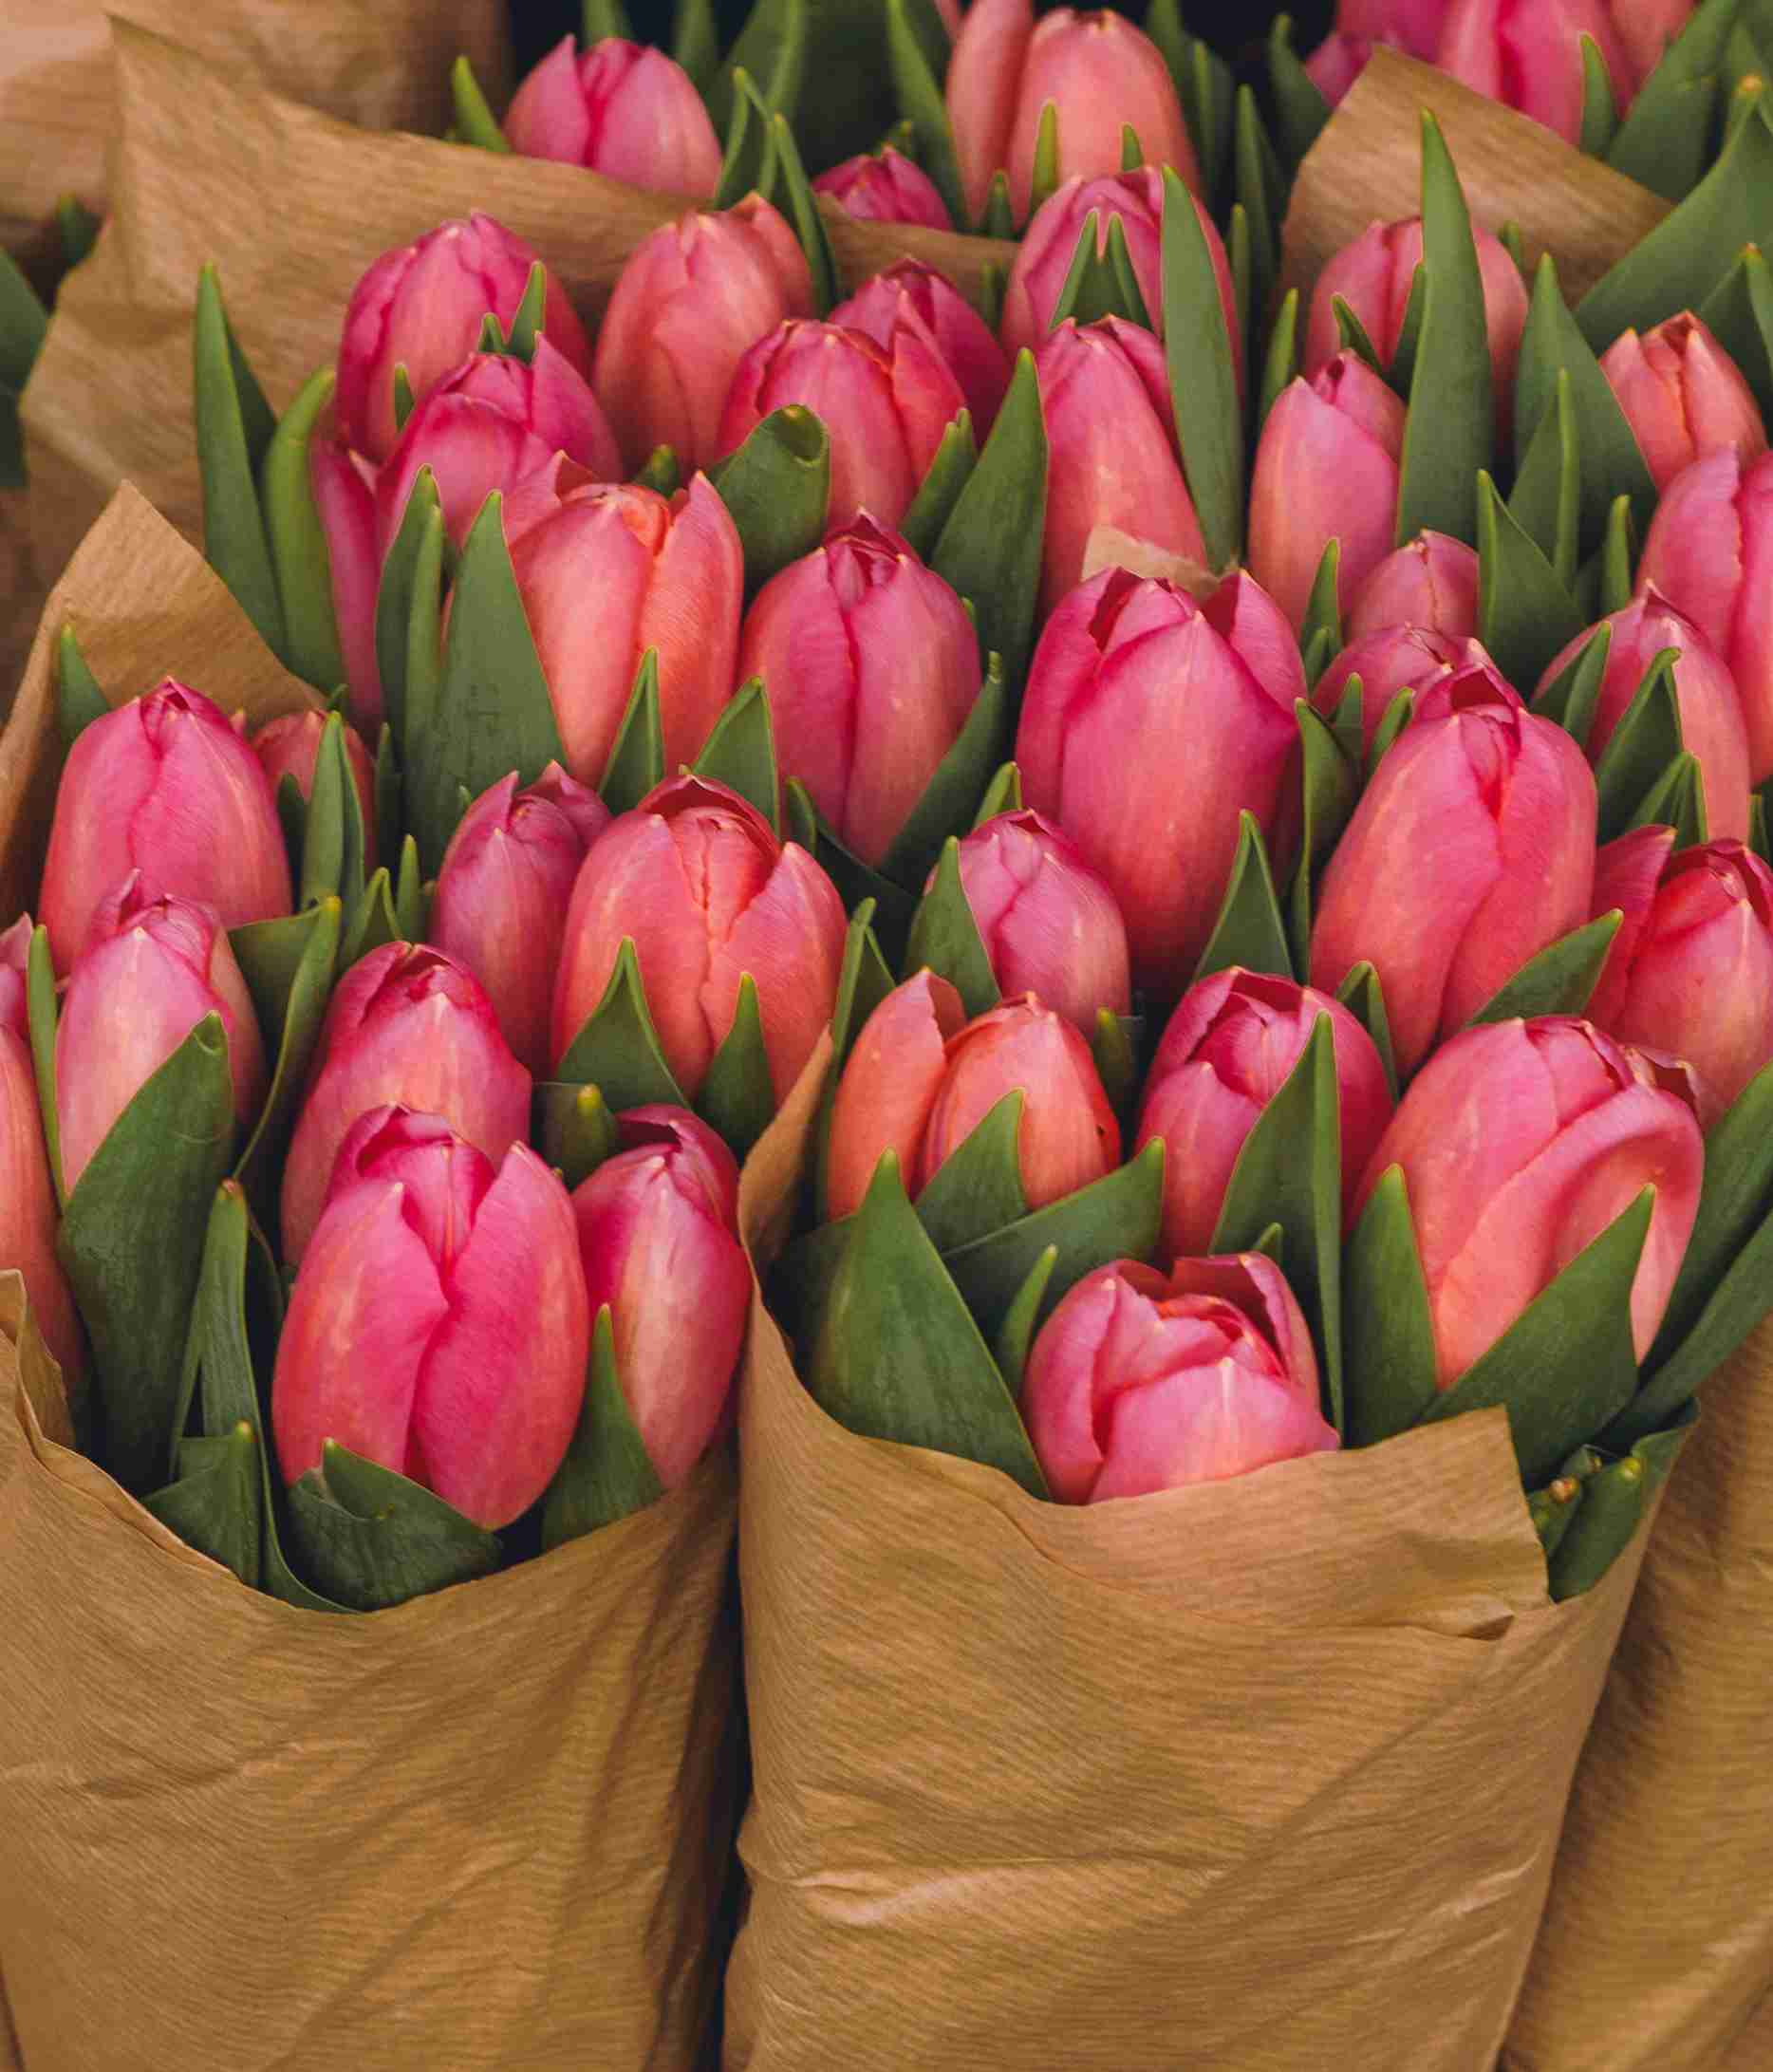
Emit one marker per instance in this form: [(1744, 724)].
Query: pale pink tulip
[(915, 297), (1431, 583), (885, 187), (1528, 55), (344, 495), (288, 748), (1683, 396), (1396, 659), (624, 110)]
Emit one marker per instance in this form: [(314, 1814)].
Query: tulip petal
[(887, 1087)]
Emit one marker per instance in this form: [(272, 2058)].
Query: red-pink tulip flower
[(1150, 723), (289, 747), (1049, 923), (167, 786), (439, 1324), (873, 668), (344, 495), (692, 300), (1690, 972), (406, 1025), (885, 187), (884, 408), (500, 905), (913, 296), (624, 110), (1520, 1143), (1712, 728), (27, 1210), (1141, 1381), (422, 307), (607, 573), (1528, 55), (1230, 1046), (1431, 583), (1338, 62), (1645, 27), (1099, 72), (1471, 850), (1396, 659), (921, 1079), (658, 1235), (1683, 396), (151, 968), (695, 877)]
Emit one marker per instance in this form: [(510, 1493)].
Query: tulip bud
[(1230, 1046), (1396, 659), (1150, 723), (1712, 729), (1471, 850), (1049, 923), (344, 497), (422, 307), (871, 665), (1645, 27), (27, 1210), (658, 1235), (1683, 396), (290, 748), (885, 187), (1528, 55), (501, 904), (689, 304), (884, 409), (1431, 583), (917, 298), (439, 1324), (1520, 1143), (695, 877), (607, 573), (624, 110), (1139, 1382), (1099, 72), (1327, 467), (921, 1078), (407, 1025), (164, 786), (1338, 62), (151, 968)]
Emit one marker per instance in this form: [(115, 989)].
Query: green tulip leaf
[(411, 900), (1132, 150), (777, 489), (803, 1279), (1614, 1501), (1600, 115), (696, 42), (1128, 293), (607, 1474), (475, 123), (618, 1049), (575, 1129), (1403, 370), (1114, 1046), (1044, 179), (917, 84), (1397, 717), (1331, 786), (1739, 313), (990, 548), (300, 557), (291, 1019), (1281, 364), (1322, 625), (741, 753), (213, 1504), (1206, 89), (1547, 502), (1389, 1355), (637, 761), (234, 429), (431, 790), (864, 981), (519, 341), (1553, 1511), (773, 48), (660, 472), (1203, 389), (78, 699), (737, 1099), (1016, 1334), (1003, 794), (78, 228), (1300, 109), (1561, 980), (802, 210), (1249, 931), (396, 599), (998, 221), (857, 882), (335, 843), (41, 1015), (748, 162), (1352, 335), (1079, 295), (940, 491), (1525, 611), (1664, 139), (372, 1539), (1640, 748), (978, 1187), (1260, 189), (945, 939), (1572, 695), (1677, 800), (372, 924), (24, 322), (598, 19), (1364, 997), (952, 795)]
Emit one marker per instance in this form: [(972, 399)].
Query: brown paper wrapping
[(292, 207), (1265, 1775), (489, 1830)]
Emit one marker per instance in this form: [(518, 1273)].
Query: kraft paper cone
[(1265, 1775), (487, 1831), (292, 207)]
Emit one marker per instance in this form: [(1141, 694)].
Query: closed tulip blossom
[(694, 876), (1142, 1381), (1520, 1143), (1528, 55), (872, 669), (501, 904), (439, 1324), (624, 110), (422, 307), (913, 296), (28, 1207), (1397, 659), (409, 1026), (165, 785), (1230, 1046), (1645, 27), (289, 747), (344, 497), (1683, 396), (658, 1238), (688, 304), (1471, 850), (921, 1078), (884, 187), (1338, 62), (1431, 583)]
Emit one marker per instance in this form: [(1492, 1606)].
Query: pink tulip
[(1431, 583), (1338, 62), (871, 665), (500, 905), (1645, 27), (885, 187), (152, 969), (1528, 55), (344, 495), (606, 573), (164, 786), (694, 876), (1520, 1143), (1139, 1382), (1230, 1046), (290, 748), (1326, 468), (884, 409), (1148, 723), (624, 110), (658, 1235), (1049, 923), (689, 304), (422, 307), (1398, 659), (921, 1079), (1711, 713), (1690, 972), (1098, 70), (407, 1025), (28, 1207), (1683, 396), (1471, 850), (1410, 25), (914, 297), (439, 1324)]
